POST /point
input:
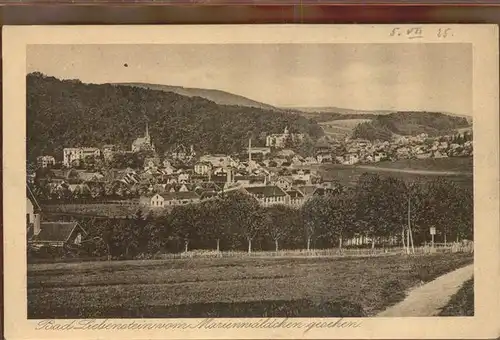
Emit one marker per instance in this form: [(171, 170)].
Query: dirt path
[(430, 298)]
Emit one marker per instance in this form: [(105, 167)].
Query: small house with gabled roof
[(268, 194), (56, 234)]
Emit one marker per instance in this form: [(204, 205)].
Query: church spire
[(147, 130)]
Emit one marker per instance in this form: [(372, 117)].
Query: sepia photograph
[(244, 180), (281, 181)]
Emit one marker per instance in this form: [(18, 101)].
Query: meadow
[(230, 287), (341, 127), (450, 164), (456, 169)]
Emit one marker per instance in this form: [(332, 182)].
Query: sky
[(432, 77)]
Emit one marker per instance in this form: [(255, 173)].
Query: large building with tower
[(143, 143)]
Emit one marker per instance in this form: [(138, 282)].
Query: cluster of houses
[(354, 151), (160, 185), (276, 153), (272, 174)]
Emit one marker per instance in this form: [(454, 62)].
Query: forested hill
[(69, 113), (383, 127)]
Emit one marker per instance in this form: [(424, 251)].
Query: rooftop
[(55, 231), (266, 191)]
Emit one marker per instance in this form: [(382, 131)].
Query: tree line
[(376, 208)]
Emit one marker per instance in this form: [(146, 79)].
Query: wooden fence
[(450, 248), (127, 202)]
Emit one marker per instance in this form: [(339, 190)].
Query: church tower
[(143, 143)]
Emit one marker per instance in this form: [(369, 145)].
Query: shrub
[(421, 271)]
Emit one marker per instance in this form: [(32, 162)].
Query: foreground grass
[(462, 303), (229, 287)]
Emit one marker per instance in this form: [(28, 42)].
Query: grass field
[(462, 303), (455, 164), (342, 127), (229, 287), (456, 169)]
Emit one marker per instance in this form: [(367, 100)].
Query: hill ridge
[(223, 97), (220, 97)]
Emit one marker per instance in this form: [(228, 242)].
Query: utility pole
[(403, 239), (410, 236)]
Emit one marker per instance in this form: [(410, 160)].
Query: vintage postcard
[(251, 182)]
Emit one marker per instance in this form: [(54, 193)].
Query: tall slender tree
[(315, 212), (278, 223), (340, 214), (370, 197)]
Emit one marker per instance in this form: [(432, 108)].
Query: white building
[(156, 201), (71, 155), (297, 198), (324, 158), (181, 152), (302, 175), (152, 164), (268, 195), (284, 183), (351, 159), (45, 161), (278, 140), (202, 168), (183, 178), (108, 151), (379, 156), (169, 199)]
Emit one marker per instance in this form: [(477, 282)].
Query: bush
[(421, 271)]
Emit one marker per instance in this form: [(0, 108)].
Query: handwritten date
[(418, 32)]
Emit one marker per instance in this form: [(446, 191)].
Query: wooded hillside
[(68, 113), (409, 123)]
